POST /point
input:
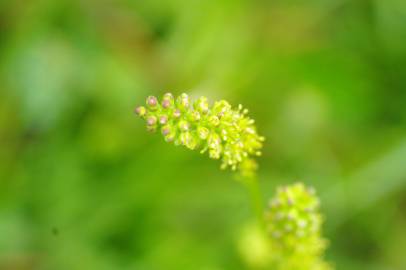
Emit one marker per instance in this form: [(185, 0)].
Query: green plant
[(292, 220)]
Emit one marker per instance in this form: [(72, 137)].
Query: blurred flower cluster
[(294, 223)]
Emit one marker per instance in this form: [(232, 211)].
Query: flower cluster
[(225, 133), (294, 222)]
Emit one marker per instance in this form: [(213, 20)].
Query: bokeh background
[(84, 186)]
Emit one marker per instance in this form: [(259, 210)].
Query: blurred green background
[(84, 186)]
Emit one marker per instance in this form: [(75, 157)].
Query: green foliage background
[(82, 184)]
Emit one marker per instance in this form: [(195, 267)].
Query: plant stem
[(256, 198)]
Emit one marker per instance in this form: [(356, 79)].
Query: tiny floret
[(223, 132)]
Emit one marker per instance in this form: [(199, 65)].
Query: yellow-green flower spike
[(294, 223), (225, 133), (293, 215)]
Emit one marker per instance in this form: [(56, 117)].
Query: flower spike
[(294, 224), (225, 133)]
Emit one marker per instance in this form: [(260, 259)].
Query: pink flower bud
[(151, 120), (141, 111), (166, 103), (177, 113), (152, 102), (163, 119)]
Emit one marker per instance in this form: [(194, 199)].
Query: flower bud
[(151, 120), (166, 104), (163, 119), (202, 105), (141, 111), (183, 125), (152, 103), (167, 100), (177, 113), (183, 102), (221, 107), (214, 120), (166, 130), (188, 140), (170, 137), (194, 116), (203, 133), (213, 140)]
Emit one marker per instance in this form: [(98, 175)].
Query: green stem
[(256, 198)]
